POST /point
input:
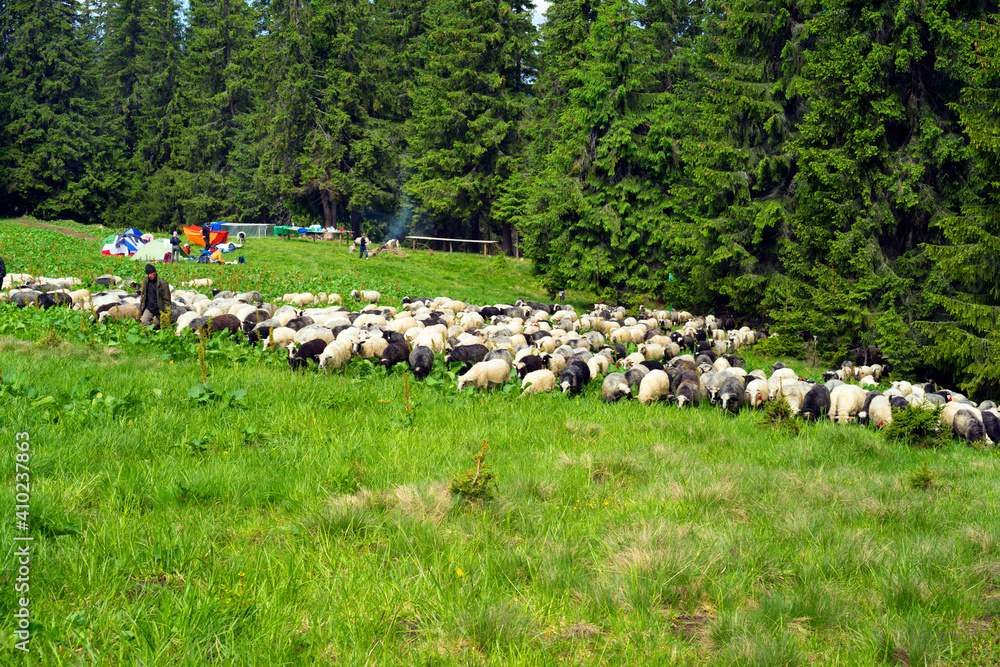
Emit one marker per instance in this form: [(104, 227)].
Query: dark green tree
[(48, 92), (475, 66), (964, 341)]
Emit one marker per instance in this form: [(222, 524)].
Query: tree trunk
[(356, 223), (329, 209), (506, 242)]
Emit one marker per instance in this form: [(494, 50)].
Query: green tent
[(151, 252)]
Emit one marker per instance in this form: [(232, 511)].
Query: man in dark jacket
[(3, 272), (154, 300), (206, 232)]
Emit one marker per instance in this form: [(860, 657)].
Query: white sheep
[(538, 382), (485, 375), (370, 296), (129, 311), (846, 401), (281, 336), (757, 392), (655, 386), (335, 355), (879, 411)]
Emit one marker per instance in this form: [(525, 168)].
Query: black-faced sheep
[(485, 375), (574, 377), (394, 353), (421, 361), (816, 402), (308, 352), (528, 364), (687, 393), (635, 374), (732, 394), (991, 422)]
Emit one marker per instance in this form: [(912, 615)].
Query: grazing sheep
[(711, 382), (574, 377), (879, 412), (792, 393), (528, 364), (421, 361), (869, 397), (635, 374), (394, 353), (816, 402), (281, 336), (500, 354), (371, 348), (845, 402), (967, 426), (950, 410), (655, 386), (335, 355), (615, 387), (757, 392), (120, 312), (467, 353), (370, 296), (868, 381), (308, 352), (598, 365), (485, 375), (732, 394), (537, 382), (991, 422), (687, 393)]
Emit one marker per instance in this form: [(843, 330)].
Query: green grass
[(310, 522)]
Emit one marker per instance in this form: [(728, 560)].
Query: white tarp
[(251, 231)]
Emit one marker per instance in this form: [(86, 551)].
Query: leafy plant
[(777, 414), (203, 394), (476, 483), (916, 426), (923, 478)]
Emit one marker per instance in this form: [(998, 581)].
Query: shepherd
[(364, 248), (154, 300)]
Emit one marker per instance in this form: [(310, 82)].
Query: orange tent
[(193, 235)]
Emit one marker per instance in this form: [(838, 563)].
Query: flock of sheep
[(662, 356)]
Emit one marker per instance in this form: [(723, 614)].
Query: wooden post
[(450, 249)]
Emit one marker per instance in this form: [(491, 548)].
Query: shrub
[(477, 483), (916, 426), (781, 345), (778, 415)]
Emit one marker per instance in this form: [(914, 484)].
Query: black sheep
[(778, 365), (703, 345), (467, 353), (528, 364), (219, 323), (301, 322), (308, 352), (393, 337), (965, 425), (574, 377), (705, 359), (651, 364), (687, 392), (253, 319), (732, 394), (898, 402), (489, 311), (500, 354), (395, 352), (816, 402), (735, 360), (258, 334), (683, 375), (992, 425), (620, 351), (421, 361), (655, 331)]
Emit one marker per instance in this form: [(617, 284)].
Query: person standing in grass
[(364, 247), (3, 271), (154, 300), (205, 232), (175, 247)]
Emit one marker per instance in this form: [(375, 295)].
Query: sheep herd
[(662, 356)]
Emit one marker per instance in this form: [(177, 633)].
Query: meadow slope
[(266, 517)]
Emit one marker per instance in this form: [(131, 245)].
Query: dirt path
[(62, 230)]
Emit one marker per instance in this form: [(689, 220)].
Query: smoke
[(400, 223)]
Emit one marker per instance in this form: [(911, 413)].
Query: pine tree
[(47, 110), (467, 103), (965, 341)]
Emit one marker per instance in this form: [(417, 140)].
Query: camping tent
[(193, 235), (126, 243), (153, 251)]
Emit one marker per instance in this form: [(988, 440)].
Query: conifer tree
[(467, 103), (47, 110)]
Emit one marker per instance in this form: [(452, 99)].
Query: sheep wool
[(485, 375), (335, 355), (615, 387), (879, 412), (538, 382), (967, 426), (845, 402), (655, 386), (757, 392)]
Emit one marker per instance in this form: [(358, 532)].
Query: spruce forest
[(829, 170)]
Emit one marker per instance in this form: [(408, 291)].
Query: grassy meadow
[(277, 518)]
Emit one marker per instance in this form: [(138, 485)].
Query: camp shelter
[(193, 235), (125, 243), (153, 251)]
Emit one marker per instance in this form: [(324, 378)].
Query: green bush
[(916, 426), (781, 345)]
